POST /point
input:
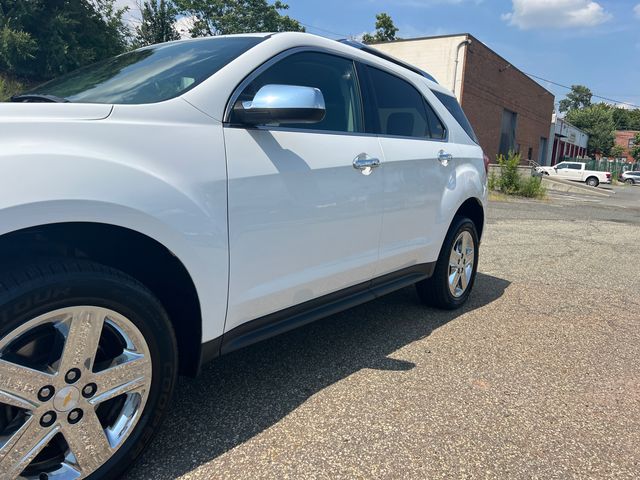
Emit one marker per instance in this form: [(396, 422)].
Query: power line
[(594, 95)]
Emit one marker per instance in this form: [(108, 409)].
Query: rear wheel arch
[(473, 210), (592, 180), (134, 253)]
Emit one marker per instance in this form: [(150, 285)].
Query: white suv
[(188, 199)]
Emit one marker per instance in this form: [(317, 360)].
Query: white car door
[(575, 172), (413, 143), (303, 222), (562, 171)]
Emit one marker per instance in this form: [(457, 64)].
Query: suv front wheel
[(87, 367)]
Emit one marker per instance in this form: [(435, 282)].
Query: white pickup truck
[(576, 171)]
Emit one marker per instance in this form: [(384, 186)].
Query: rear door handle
[(365, 163), (444, 158)]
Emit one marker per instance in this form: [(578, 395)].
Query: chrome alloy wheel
[(461, 264), (73, 385)]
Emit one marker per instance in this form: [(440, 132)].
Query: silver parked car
[(631, 178)]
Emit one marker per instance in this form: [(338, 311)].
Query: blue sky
[(595, 43)]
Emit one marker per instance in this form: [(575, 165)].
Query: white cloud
[(637, 10), (183, 25), (530, 14), (624, 106), (132, 17)]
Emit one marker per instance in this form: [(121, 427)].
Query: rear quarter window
[(454, 108)]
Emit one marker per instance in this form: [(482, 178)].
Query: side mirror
[(282, 104)]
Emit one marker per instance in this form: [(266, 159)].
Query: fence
[(615, 166)]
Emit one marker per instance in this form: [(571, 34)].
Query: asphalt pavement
[(537, 377)]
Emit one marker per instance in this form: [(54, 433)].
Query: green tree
[(597, 121), (635, 150), (158, 23), (385, 30), (56, 36), (579, 97), (16, 46), (617, 151), (223, 17)]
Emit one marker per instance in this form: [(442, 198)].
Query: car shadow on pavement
[(242, 394)]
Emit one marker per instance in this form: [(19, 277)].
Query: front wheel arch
[(126, 250)]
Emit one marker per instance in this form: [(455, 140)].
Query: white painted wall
[(434, 55)]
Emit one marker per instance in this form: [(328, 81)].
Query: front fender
[(102, 172)]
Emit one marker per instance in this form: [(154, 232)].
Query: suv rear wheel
[(455, 272), (87, 367)]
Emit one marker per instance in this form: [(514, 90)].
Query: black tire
[(593, 182), (629, 181), (29, 291), (434, 291)]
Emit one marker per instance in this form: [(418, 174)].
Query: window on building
[(631, 143), (508, 132), (530, 153)]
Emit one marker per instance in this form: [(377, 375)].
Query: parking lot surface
[(537, 377)]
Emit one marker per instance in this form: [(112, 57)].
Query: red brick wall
[(622, 138), (487, 91)]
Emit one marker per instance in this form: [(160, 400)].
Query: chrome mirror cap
[(282, 104), (286, 96)]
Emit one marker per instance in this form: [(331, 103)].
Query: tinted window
[(575, 166), (150, 74), (451, 104), (400, 109), (561, 166), (334, 76)]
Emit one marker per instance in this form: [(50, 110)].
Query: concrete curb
[(572, 187)]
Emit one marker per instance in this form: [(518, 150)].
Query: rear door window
[(397, 108)]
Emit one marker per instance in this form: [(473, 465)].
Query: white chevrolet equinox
[(188, 199)]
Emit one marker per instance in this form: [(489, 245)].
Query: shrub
[(509, 181), (493, 180), (532, 188), (9, 87)]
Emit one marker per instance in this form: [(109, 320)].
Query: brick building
[(508, 110), (624, 138)]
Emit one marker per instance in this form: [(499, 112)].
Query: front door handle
[(365, 163), (444, 158)]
